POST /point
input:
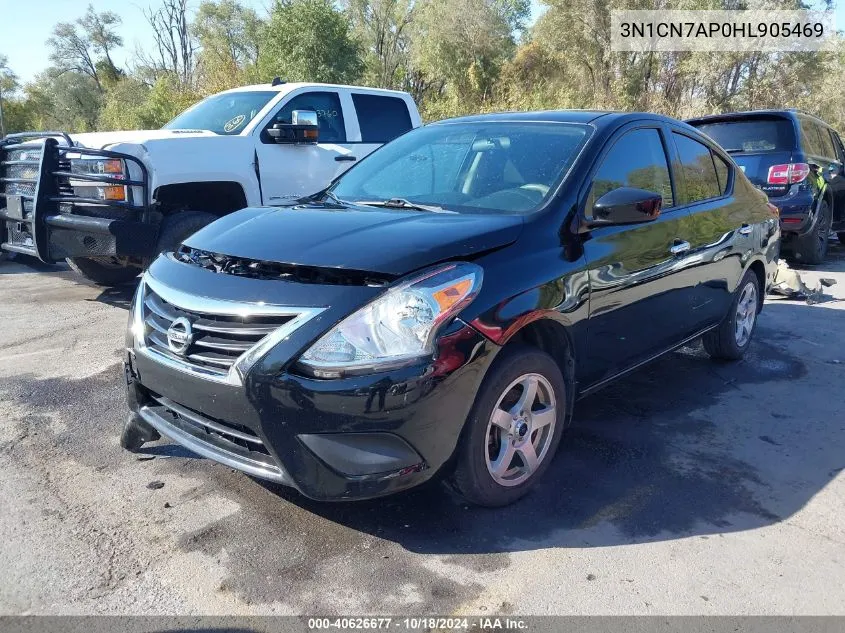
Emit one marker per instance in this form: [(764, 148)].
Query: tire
[(841, 236), (136, 433), (812, 248), (487, 447), (176, 228), (726, 342), (103, 271)]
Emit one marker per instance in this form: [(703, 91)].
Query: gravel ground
[(688, 488)]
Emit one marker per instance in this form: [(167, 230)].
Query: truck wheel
[(513, 430), (732, 338), (176, 228), (104, 271), (812, 248)]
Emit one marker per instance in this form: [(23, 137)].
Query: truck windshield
[(483, 167), (747, 134), (228, 113)]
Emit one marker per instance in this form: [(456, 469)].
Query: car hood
[(387, 241), (102, 140)]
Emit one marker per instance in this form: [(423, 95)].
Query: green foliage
[(454, 56), (230, 39), (309, 40)]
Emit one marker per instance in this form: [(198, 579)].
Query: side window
[(700, 179), (723, 171), (827, 143), (637, 159), (837, 143), (810, 136), (329, 114), (381, 119)]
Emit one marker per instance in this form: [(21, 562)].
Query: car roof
[(727, 116), (290, 86), (597, 118)]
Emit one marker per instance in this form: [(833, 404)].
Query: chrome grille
[(19, 173), (220, 339)]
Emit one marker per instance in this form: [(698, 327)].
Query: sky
[(26, 25), (25, 34)]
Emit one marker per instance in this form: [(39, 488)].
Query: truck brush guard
[(43, 214)]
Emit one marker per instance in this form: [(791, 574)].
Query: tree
[(63, 100), (382, 26), (75, 45), (229, 39), (175, 45), (309, 40), (8, 85), (465, 43)]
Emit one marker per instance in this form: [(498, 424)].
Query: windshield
[(751, 135), (227, 113), (485, 167)]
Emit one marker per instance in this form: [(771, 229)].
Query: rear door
[(721, 229), (639, 296), (837, 183), (379, 119), (755, 143)]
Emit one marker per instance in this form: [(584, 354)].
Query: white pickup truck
[(109, 202)]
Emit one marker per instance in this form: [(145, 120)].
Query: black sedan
[(440, 308)]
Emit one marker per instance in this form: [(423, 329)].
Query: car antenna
[(277, 81)]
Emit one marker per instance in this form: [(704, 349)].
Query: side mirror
[(626, 205), (303, 128)]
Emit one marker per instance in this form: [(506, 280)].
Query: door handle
[(745, 230), (679, 247), (345, 157)]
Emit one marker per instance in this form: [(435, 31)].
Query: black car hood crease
[(389, 241)]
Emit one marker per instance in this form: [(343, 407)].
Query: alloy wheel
[(521, 429), (746, 313)]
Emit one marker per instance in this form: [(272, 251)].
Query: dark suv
[(797, 160), (439, 309)]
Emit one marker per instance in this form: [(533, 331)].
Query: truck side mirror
[(303, 128)]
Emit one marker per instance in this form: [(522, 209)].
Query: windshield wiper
[(734, 151), (401, 203), (321, 195)]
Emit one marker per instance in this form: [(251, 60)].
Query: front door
[(638, 301), (291, 171), (836, 181)]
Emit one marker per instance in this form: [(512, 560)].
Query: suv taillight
[(788, 174)]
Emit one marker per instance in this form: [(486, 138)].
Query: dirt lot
[(688, 488)]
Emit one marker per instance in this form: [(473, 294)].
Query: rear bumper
[(797, 213)]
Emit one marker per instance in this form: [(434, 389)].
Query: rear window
[(381, 119), (700, 179), (751, 135)]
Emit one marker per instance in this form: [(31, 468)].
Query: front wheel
[(732, 338), (176, 228), (514, 428), (104, 271)]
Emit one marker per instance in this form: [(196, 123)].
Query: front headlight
[(110, 167), (397, 328)]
